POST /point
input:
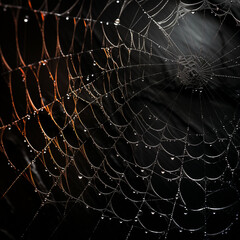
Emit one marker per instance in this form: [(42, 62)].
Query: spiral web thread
[(78, 76)]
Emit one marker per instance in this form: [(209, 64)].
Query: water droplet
[(117, 22), (26, 19)]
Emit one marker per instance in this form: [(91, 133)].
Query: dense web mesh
[(123, 117)]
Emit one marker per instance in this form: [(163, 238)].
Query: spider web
[(123, 117)]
